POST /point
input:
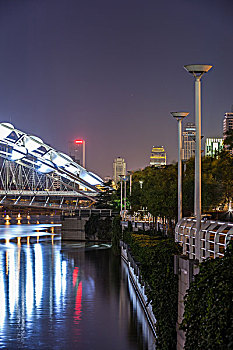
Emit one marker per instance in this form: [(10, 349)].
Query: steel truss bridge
[(33, 174)]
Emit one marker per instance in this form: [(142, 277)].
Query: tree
[(208, 320), (104, 197), (99, 227), (222, 172), (158, 192), (156, 257), (228, 142), (212, 190)]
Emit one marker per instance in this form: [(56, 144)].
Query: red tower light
[(78, 141)]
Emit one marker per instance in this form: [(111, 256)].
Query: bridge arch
[(32, 173)]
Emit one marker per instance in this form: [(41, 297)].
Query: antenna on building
[(231, 108)]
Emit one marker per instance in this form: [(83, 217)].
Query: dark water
[(66, 296)]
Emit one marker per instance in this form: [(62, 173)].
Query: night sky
[(110, 71)]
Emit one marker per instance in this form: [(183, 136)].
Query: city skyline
[(110, 73)]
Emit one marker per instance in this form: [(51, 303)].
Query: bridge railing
[(88, 212), (214, 237)]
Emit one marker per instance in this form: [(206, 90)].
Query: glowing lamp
[(78, 142)]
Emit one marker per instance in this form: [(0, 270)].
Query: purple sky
[(111, 71)]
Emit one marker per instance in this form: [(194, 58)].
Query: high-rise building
[(77, 151), (188, 141), (213, 146), (158, 156), (119, 168), (227, 123), (56, 181)]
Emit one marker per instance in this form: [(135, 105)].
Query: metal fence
[(214, 237)]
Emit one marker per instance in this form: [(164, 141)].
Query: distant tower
[(56, 181), (188, 141), (227, 123), (158, 156), (77, 151), (119, 168)]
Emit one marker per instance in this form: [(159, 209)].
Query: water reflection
[(66, 297), (38, 273)]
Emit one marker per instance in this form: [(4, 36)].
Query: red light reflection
[(78, 299), (78, 303), (75, 276)]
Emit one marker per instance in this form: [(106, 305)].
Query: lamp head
[(179, 115), (197, 69)]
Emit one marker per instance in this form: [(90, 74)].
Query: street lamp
[(197, 70), (121, 176), (125, 209), (179, 117), (130, 181), (130, 185)]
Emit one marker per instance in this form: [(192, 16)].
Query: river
[(56, 295)]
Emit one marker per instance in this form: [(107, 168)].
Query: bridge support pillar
[(73, 229)]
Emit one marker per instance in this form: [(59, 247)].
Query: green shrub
[(208, 316), (155, 255)]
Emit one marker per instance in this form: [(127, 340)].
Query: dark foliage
[(208, 317), (156, 255), (99, 228)]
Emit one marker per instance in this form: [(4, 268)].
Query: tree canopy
[(158, 192)]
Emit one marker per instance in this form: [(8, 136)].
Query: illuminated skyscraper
[(158, 156), (188, 141), (227, 122), (213, 146), (119, 168), (77, 151)]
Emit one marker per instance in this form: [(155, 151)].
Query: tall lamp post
[(121, 176), (125, 209), (141, 183), (130, 185), (179, 117), (130, 181), (197, 70)]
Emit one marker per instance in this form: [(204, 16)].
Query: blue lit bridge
[(33, 174)]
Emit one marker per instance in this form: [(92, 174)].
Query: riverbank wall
[(73, 226), (139, 285)]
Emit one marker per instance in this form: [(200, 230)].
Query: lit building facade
[(213, 146), (158, 156), (56, 181), (227, 123), (188, 141), (119, 168)]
